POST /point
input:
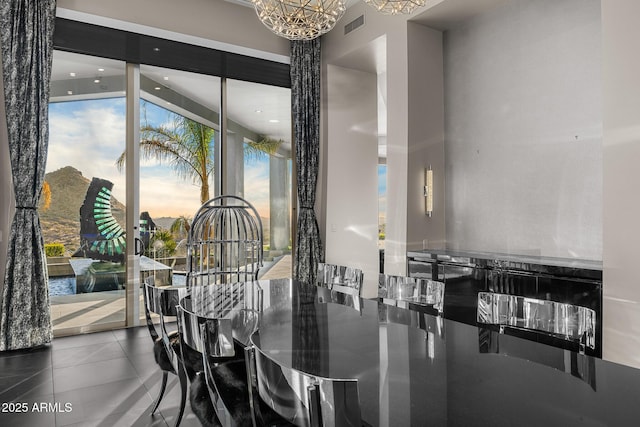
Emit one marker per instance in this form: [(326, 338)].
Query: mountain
[(61, 221)]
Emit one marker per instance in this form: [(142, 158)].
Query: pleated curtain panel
[(305, 94), (27, 49)]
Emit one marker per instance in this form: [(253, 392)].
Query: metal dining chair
[(340, 278), (210, 319), (300, 398), (401, 291), (224, 244), (565, 321), (162, 302)]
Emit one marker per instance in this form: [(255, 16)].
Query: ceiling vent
[(353, 25)]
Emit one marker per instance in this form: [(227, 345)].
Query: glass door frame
[(132, 170)]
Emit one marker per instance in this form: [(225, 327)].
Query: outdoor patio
[(73, 314)]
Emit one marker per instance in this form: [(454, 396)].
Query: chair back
[(402, 290), (161, 301), (561, 320), (346, 296), (300, 398), (191, 326), (224, 244), (340, 278)]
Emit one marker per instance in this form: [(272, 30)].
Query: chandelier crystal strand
[(395, 7), (299, 19)]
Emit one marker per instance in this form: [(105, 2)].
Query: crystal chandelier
[(395, 7), (299, 19)]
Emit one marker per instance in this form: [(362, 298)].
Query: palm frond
[(266, 146)]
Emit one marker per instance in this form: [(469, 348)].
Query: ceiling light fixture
[(274, 121), (72, 74), (101, 69), (395, 7), (157, 88), (299, 19), (97, 80)]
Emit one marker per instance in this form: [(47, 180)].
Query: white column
[(279, 196), (621, 152)]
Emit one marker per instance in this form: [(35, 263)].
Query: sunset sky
[(90, 135)]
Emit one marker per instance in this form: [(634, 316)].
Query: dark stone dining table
[(417, 369)]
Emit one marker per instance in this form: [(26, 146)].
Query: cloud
[(88, 136)]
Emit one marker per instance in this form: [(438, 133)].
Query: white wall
[(621, 146), (351, 236), (524, 130), (426, 137)]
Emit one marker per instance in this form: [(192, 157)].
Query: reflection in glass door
[(179, 123), (258, 163), (82, 209)]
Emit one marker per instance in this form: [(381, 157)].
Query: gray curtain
[(27, 48), (305, 94)]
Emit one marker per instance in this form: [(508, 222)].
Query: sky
[(90, 135)]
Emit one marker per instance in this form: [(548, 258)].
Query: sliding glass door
[(91, 192), (259, 162), (83, 205)]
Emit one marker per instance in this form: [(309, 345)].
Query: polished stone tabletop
[(416, 369)]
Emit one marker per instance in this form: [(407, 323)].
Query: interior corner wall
[(425, 137), (335, 46), (523, 128), (621, 146), (351, 235)]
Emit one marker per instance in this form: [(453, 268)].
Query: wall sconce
[(428, 191)]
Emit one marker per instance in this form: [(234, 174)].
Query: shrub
[(54, 249)]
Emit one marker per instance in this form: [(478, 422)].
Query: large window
[(259, 145), (85, 225)]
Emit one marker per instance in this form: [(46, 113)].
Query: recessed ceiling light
[(157, 88), (69, 92), (166, 77), (72, 74), (274, 121), (100, 69), (96, 81), (156, 49), (258, 111), (168, 103)]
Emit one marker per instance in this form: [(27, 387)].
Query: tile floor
[(102, 379)]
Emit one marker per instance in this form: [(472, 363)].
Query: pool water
[(62, 286), (67, 285)]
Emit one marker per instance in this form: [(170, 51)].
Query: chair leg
[(183, 391), (162, 388)]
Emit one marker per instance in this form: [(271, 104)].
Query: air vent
[(356, 23)]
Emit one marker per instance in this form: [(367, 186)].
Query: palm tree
[(180, 227), (187, 146)]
